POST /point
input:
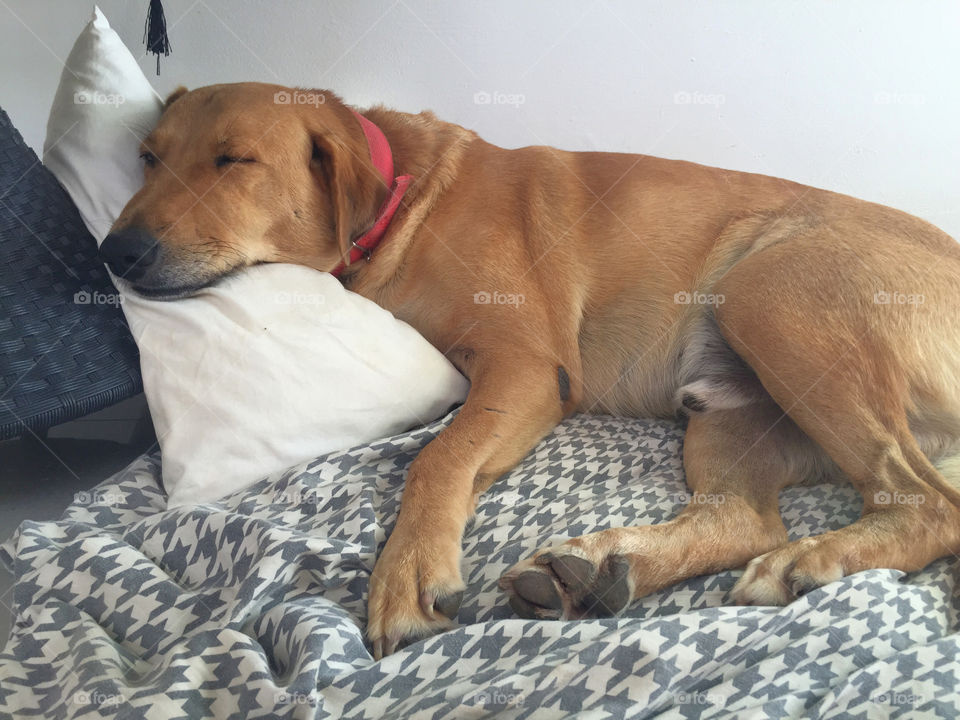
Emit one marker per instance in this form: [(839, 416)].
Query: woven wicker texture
[(60, 357)]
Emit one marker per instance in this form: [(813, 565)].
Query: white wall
[(861, 96)]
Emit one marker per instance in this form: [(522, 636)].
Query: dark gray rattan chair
[(62, 354)]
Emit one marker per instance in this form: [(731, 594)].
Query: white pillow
[(103, 108), (268, 369)]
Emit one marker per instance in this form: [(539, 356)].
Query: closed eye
[(222, 160)]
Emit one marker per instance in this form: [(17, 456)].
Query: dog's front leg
[(416, 587)]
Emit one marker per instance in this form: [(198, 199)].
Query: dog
[(806, 335)]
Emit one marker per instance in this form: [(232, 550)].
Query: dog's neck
[(429, 150), (382, 158), (420, 142)]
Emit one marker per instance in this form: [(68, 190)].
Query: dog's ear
[(174, 96), (341, 162)]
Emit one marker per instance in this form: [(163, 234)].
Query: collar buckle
[(366, 252)]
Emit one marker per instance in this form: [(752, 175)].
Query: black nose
[(129, 253)]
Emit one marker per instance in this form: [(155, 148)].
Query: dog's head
[(242, 174)]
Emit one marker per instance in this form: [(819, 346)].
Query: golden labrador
[(808, 335)]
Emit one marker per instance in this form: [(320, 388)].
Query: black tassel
[(155, 32)]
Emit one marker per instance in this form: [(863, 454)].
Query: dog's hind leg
[(736, 462), (852, 365)]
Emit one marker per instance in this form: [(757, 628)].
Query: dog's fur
[(806, 334)]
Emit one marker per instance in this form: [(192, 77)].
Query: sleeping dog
[(806, 335)]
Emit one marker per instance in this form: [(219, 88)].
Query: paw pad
[(559, 585), (446, 605)]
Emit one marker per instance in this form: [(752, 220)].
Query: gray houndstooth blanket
[(255, 606)]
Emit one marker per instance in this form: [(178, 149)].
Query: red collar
[(382, 158)]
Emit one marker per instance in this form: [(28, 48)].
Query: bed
[(255, 606)]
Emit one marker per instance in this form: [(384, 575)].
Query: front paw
[(415, 591)]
